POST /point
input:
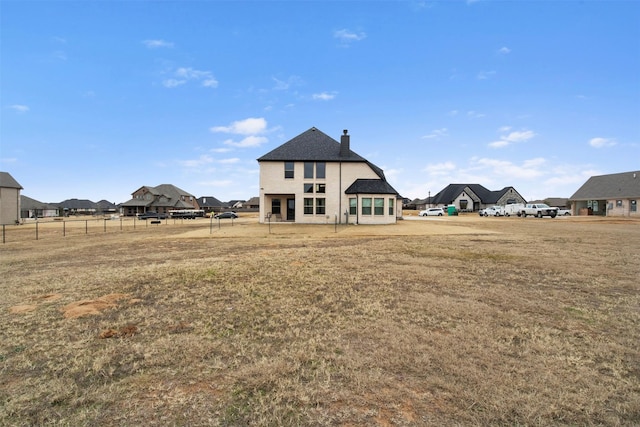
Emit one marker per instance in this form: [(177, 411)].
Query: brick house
[(611, 195), (161, 199)]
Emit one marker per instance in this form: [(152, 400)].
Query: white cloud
[(324, 96), (19, 108), (249, 141), (230, 161), (529, 169), (474, 114), (504, 50), (218, 183), (512, 138), (436, 134), (154, 44), (346, 37), (440, 168), (484, 75), (504, 129), (250, 126), (286, 84), (601, 142), (197, 163), (171, 83), (183, 75)]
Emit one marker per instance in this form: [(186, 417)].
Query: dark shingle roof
[(7, 181), (370, 186), (209, 202), (452, 191), (76, 204), (617, 185), (312, 146), (27, 203)]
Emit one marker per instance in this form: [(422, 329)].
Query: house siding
[(9, 205), (339, 176)]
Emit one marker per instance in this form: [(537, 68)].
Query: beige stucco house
[(9, 199), (314, 179)]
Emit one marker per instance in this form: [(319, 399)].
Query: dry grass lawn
[(452, 321)]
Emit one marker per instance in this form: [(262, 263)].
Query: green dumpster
[(451, 211)]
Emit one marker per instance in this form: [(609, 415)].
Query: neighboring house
[(557, 202), (77, 207), (314, 179), (31, 208), (473, 197), (236, 204), (211, 204), (252, 203), (106, 207), (161, 199), (9, 199), (611, 195)]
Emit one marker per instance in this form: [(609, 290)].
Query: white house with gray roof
[(611, 195), (314, 179)]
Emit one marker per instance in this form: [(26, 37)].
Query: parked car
[(492, 211), (564, 212), (222, 215), (432, 212), (154, 215)]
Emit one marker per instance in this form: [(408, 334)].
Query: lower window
[(308, 206), (320, 206), (366, 206)]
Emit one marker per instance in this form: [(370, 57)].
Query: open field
[(433, 321)]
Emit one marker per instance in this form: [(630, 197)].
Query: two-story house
[(314, 179), (161, 199)]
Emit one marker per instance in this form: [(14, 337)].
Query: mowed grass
[(452, 321)]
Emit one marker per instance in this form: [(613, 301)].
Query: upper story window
[(308, 170), (308, 188), (319, 167), (320, 188), (288, 169)]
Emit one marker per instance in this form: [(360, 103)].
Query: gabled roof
[(616, 185), (209, 202), (27, 203), (105, 205), (7, 181), (315, 146), (311, 146), (483, 195), (370, 186), (76, 204), (451, 191)]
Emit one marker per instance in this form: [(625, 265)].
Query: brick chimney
[(344, 144)]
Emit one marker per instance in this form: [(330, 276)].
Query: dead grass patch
[(494, 322)]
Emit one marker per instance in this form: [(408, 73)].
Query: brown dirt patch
[(91, 307), (19, 309)]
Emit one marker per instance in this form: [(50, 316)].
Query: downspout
[(340, 193)]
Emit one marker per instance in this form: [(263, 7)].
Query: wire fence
[(57, 228)]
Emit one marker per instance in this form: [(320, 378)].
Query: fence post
[(3, 233), (86, 226), (105, 225), (36, 229), (64, 228)]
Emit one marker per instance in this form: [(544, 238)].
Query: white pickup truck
[(539, 210)]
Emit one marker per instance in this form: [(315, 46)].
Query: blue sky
[(98, 98)]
